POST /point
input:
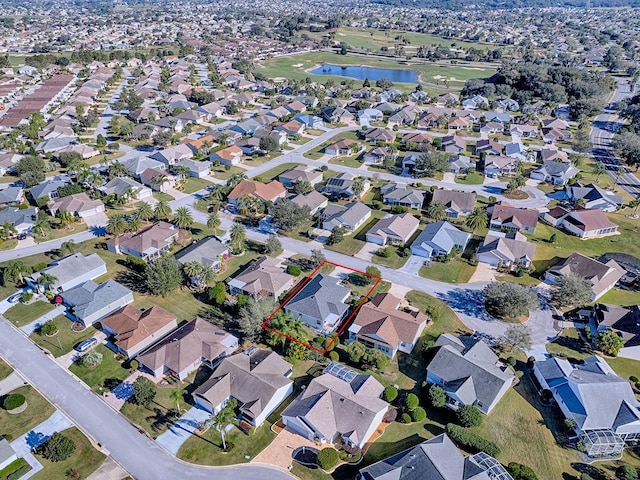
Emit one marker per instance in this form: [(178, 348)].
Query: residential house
[(383, 325), (314, 200), (310, 121), (498, 117), (292, 128), (7, 454), (398, 194), (509, 249), (439, 239), (490, 147), (298, 174), (436, 459), (173, 154), (419, 141), (174, 124), (369, 115), (459, 123), (458, 204), (201, 145), (523, 131), (553, 154), (264, 278), (592, 196), (199, 342), (195, 168), (507, 218), (147, 244), (490, 128), (601, 405), (509, 105), (378, 155), (48, 190), (453, 144), (350, 216), (556, 173), (89, 302), (469, 372), (460, 164), (337, 115), (450, 99), (136, 165), (500, 166), (69, 272), (342, 186), (132, 330), (11, 196), (405, 116), (211, 110), (602, 276), (208, 251), (126, 187), (338, 405), (346, 146), (377, 134), (519, 152), (475, 102), (265, 192), (157, 179), (79, 205), (231, 155), (249, 146), (257, 379), (625, 321), (22, 220), (587, 223), (393, 229), (320, 303)]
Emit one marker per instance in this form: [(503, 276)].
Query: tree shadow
[(468, 302), (132, 280), (590, 470), (160, 418)]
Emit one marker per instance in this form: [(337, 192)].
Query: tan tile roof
[(78, 202), (265, 191), (133, 325), (156, 236)]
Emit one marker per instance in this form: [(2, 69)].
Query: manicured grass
[(182, 303), (457, 270), (192, 185), (445, 321), (38, 410), (65, 337), (317, 152), (5, 369), (236, 264), (353, 243), (222, 173), (474, 178), (352, 161), (85, 459), (394, 260), (276, 171), (624, 367), (163, 196), (569, 346), (110, 368), (56, 233), (22, 314), (523, 280), (207, 449), (617, 296), (8, 244)]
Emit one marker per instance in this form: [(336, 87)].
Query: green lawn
[(109, 369), (569, 346), (617, 296), (353, 243), (352, 161), (38, 410), (182, 303), (475, 178), (5, 370), (192, 185), (444, 318), (236, 264), (22, 314), (457, 270), (163, 196), (65, 337), (85, 459), (276, 171), (222, 173), (394, 260), (624, 367)]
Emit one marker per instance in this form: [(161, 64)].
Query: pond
[(371, 73)]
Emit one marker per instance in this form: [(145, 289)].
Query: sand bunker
[(298, 65)]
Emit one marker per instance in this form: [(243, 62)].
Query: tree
[(46, 280), (517, 336), (15, 271), (635, 203), (412, 401), (101, 142), (214, 221), (163, 276), (117, 225), (58, 448), (437, 210), (430, 163), (200, 275), (287, 215), (469, 416), (68, 248), (328, 458), (237, 236), (293, 270), (218, 293), (272, 245), (268, 144), (117, 169), (31, 170), (49, 328), (390, 394), (183, 218), (357, 188), (437, 396), (572, 290), (144, 211), (253, 314), (598, 169), (144, 391), (626, 472), (177, 395), (134, 224), (609, 342), (418, 414), (316, 258), (356, 351), (516, 183), (7, 230), (509, 300), (303, 187), (521, 472), (66, 218), (374, 271), (162, 210), (619, 174), (337, 235), (91, 360), (477, 219), (223, 418)]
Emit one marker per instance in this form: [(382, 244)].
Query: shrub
[(471, 441), (26, 297), (637, 385), (13, 401), (437, 396), (294, 270), (469, 416), (609, 342), (134, 364), (136, 264), (412, 401), (49, 328), (58, 448), (521, 472), (390, 416), (531, 361), (144, 391), (328, 458), (19, 473), (334, 356), (91, 360), (390, 394), (633, 378), (39, 266), (405, 418), (626, 472), (418, 414), (512, 361)]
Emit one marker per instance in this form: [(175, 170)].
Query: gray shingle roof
[(320, 298), (440, 235), (205, 251), (89, 298)]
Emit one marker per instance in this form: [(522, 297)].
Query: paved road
[(107, 115), (604, 127), (50, 245), (137, 453)]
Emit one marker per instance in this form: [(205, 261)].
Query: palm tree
[(117, 225), (159, 180), (144, 211), (162, 210), (223, 418), (358, 188), (183, 218), (15, 272), (46, 280), (130, 194), (181, 172), (66, 218), (134, 223), (7, 230), (619, 174), (237, 235), (437, 210), (68, 248), (214, 221), (176, 396), (117, 169), (477, 219), (599, 169), (635, 203), (41, 225), (192, 269), (235, 179)]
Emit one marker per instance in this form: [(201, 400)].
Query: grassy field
[(474, 178), (222, 173), (22, 314), (569, 346), (110, 369), (85, 460), (457, 270), (65, 337), (192, 185), (38, 410), (394, 260), (352, 161), (294, 67), (182, 303), (445, 321), (617, 296), (353, 243), (5, 370)]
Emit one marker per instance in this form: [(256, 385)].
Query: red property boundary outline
[(344, 323)]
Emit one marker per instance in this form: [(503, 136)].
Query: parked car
[(15, 298), (85, 345)]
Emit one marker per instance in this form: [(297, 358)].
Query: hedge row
[(465, 438)]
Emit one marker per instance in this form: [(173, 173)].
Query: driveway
[(279, 451), (123, 392), (484, 273), (9, 384), (412, 267), (109, 470), (40, 434), (180, 431)]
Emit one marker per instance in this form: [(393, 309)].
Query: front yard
[(22, 314), (65, 337), (38, 410), (457, 270), (352, 244), (394, 260), (110, 371), (5, 369), (192, 185)]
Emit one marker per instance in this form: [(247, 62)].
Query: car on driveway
[(15, 298), (87, 344)]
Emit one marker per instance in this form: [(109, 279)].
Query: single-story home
[(509, 249), (458, 204), (398, 194), (23, 220), (625, 321), (507, 218), (557, 173), (350, 216), (231, 155), (593, 196), (89, 302), (439, 239), (195, 168), (69, 272), (79, 205), (394, 229), (147, 244), (208, 251), (264, 278), (122, 186), (314, 200), (266, 192), (299, 174)]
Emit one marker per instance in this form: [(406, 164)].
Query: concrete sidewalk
[(33, 326), (180, 431), (9, 384)]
